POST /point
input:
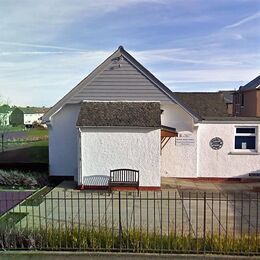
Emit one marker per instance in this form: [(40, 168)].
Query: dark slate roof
[(253, 84), (120, 114), (233, 118), (204, 104), (34, 110)]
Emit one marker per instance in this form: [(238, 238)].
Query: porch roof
[(119, 114)]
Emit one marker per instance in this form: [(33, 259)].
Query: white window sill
[(244, 153)]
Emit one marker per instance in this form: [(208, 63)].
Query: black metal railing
[(163, 222)]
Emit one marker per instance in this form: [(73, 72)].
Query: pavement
[(182, 208), (209, 186)]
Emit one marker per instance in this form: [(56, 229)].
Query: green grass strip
[(12, 218), (37, 198)]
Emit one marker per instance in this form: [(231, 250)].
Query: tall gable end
[(119, 81), (119, 78)]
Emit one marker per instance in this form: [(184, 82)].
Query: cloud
[(47, 47), (243, 21), (38, 46)]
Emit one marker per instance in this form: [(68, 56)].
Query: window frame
[(245, 134)]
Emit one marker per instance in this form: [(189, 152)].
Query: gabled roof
[(253, 84), (33, 110), (205, 104), (120, 114), (120, 52)]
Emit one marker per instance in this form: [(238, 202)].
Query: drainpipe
[(80, 180)]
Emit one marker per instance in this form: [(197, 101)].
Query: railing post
[(120, 223), (204, 222)]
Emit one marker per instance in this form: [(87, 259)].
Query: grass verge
[(102, 239), (12, 218), (37, 198)]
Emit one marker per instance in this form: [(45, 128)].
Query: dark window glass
[(245, 142), (242, 99), (245, 130)]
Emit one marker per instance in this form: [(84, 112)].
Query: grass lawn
[(34, 152), (27, 151), (16, 128), (37, 132)]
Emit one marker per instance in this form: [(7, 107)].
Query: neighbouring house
[(5, 112), (27, 116), (121, 116), (247, 99)]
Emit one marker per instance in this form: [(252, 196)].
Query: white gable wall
[(63, 142), (112, 83), (104, 149), (174, 116)]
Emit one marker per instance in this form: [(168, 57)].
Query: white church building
[(122, 117)]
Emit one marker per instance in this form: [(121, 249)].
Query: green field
[(27, 150)]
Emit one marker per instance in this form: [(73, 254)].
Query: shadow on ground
[(32, 154)]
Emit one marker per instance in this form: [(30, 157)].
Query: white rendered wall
[(31, 118), (174, 116), (105, 149), (179, 160), (221, 163), (63, 142)]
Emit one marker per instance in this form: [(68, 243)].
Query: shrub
[(14, 178)]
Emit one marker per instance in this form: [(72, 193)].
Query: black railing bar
[(157, 199)]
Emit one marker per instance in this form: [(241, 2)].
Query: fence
[(164, 222)]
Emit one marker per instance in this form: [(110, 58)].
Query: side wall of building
[(178, 159), (105, 149), (225, 162), (250, 103), (63, 142), (258, 103)]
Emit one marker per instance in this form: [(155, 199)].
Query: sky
[(47, 47)]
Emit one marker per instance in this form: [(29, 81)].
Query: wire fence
[(165, 222)]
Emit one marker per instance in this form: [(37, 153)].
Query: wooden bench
[(124, 178)]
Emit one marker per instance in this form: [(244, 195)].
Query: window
[(245, 138), (242, 99)]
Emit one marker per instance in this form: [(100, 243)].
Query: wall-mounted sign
[(184, 141), (216, 143)]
